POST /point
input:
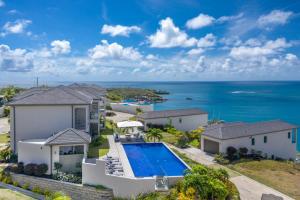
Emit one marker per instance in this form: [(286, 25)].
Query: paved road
[(249, 189), (4, 125)]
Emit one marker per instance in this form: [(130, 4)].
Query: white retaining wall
[(130, 108), (126, 187)]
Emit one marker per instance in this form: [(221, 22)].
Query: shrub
[(182, 141), (6, 154), (20, 167), (40, 169), (219, 158), (30, 168), (195, 143), (60, 196), (25, 186), (231, 152), (72, 178), (6, 111), (16, 183), (108, 107), (57, 166), (37, 190), (243, 151), (47, 192), (110, 114)]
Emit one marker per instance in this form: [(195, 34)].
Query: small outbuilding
[(273, 138), (67, 147), (181, 119)]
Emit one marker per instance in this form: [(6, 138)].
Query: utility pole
[(37, 81)]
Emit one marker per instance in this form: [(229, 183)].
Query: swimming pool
[(150, 159)]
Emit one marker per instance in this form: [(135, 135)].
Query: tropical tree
[(207, 183), (153, 134)]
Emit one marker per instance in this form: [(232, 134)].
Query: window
[(80, 118), (289, 135), (294, 136), (253, 141), (265, 139), (69, 150), (180, 120)]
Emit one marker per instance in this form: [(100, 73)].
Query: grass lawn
[(169, 138), (100, 147), (283, 176), (6, 194), (4, 138)]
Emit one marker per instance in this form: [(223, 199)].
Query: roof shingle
[(241, 129), (171, 113)]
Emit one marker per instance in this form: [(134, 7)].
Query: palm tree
[(153, 134), (9, 93)]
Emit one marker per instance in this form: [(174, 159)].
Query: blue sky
[(149, 40)]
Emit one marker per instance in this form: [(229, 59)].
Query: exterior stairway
[(162, 183)]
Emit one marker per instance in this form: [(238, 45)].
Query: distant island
[(136, 94)]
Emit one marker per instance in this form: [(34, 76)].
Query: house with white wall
[(181, 119), (273, 138), (38, 114)]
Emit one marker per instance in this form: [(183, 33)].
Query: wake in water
[(243, 92)]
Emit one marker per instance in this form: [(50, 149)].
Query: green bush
[(25, 186), (231, 153), (20, 167), (60, 196), (37, 190), (47, 192), (30, 168), (41, 169), (67, 177), (16, 183), (108, 107), (5, 154), (182, 141), (219, 158), (195, 143), (6, 111)]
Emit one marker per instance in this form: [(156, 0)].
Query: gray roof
[(241, 129), (69, 136), (79, 94), (171, 113)]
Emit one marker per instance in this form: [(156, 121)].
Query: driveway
[(4, 125), (249, 189), (120, 116)]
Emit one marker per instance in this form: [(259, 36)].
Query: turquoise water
[(150, 159), (230, 101)]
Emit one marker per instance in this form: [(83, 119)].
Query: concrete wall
[(278, 144), (76, 191), (122, 186), (130, 108), (34, 153), (188, 123)]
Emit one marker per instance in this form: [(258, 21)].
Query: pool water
[(150, 159)]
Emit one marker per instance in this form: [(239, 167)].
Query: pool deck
[(116, 150)]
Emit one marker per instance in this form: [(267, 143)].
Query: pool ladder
[(161, 183)]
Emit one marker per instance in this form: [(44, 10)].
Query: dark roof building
[(241, 129), (170, 113), (76, 94)]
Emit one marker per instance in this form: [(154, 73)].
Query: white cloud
[(268, 48), (2, 4), (200, 21), (16, 27), (15, 60), (119, 30), (291, 57), (113, 50), (170, 36), (276, 17), (197, 51), (208, 40), (229, 18), (60, 47)]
